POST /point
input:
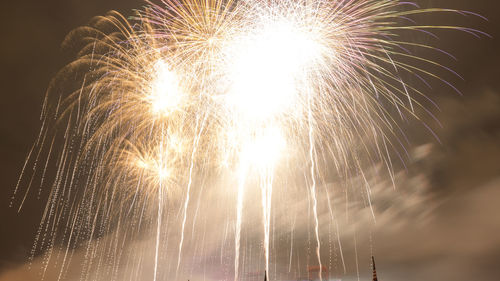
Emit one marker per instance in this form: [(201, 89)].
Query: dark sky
[(460, 238)]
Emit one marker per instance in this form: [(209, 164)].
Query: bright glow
[(165, 94), (158, 162), (265, 149), (270, 67), (155, 167), (176, 144)]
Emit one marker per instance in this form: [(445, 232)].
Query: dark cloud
[(471, 138), (446, 226)]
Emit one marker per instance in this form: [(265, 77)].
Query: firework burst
[(191, 92)]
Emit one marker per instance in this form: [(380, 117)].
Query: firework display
[(203, 120)]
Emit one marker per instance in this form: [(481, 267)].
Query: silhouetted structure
[(374, 270), (265, 276)]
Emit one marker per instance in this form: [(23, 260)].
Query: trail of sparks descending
[(186, 202), (313, 192), (189, 92), (158, 232), (239, 220)]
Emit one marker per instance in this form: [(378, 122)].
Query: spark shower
[(209, 123)]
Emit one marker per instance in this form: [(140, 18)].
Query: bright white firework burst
[(209, 99)]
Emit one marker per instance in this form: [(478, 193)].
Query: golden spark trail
[(239, 219), (267, 191), (158, 231), (313, 189), (190, 182)]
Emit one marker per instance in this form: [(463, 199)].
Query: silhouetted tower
[(265, 275), (374, 270)]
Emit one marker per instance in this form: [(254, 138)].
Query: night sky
[(444, 222)]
